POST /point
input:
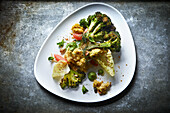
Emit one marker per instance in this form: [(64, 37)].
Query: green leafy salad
[(94, 41)]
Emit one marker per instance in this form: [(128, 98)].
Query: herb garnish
[(61, 44)]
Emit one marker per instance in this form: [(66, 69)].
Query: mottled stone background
[(25, 25)]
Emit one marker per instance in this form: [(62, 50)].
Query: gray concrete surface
[(25, 25)]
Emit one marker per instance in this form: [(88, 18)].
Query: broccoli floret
[(111, 34), (83, 23), (94, 20), (113, 43), (101, 29), (90, 17), (95, 24), (64, 82), (72, 79)]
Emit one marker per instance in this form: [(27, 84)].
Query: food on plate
[(101, 87), (77, 31), (106, 62), (84, 89), (62, 50), (50, 58), (76, 28), (72, 79), (61, 44), (76, 59), (94, 40), (92, 76), (105, 59), (98, 26), (100, 72), (95, 52), (59, 57), (60, 69)]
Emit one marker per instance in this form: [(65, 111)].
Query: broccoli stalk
[(99, 36), (113, 43), (72, 79)]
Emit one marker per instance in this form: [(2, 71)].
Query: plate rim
[(44, 42)]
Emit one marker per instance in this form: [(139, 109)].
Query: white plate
[(43, 68)]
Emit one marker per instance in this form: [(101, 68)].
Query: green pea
[(100, 72), (92, 76)]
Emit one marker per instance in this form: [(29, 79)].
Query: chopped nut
[(101, 87), (77, 29), (66, 38), (76, 59), (62, 50)]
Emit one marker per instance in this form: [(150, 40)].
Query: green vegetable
[(71, 45), (99, 36), (50, 58), (84, 38), (91, 39), (84, 89), (83, 23), (96, 23), (61, 44), (72, 79), (100, 72), (113, 43), (78, 42), (92, 76), (101, 29)]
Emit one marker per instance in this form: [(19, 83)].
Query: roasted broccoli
[(83, 23), (72, 79), (113, 43), (98, 25), (101, 29)]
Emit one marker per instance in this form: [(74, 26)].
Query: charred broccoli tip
[(72, 79)]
